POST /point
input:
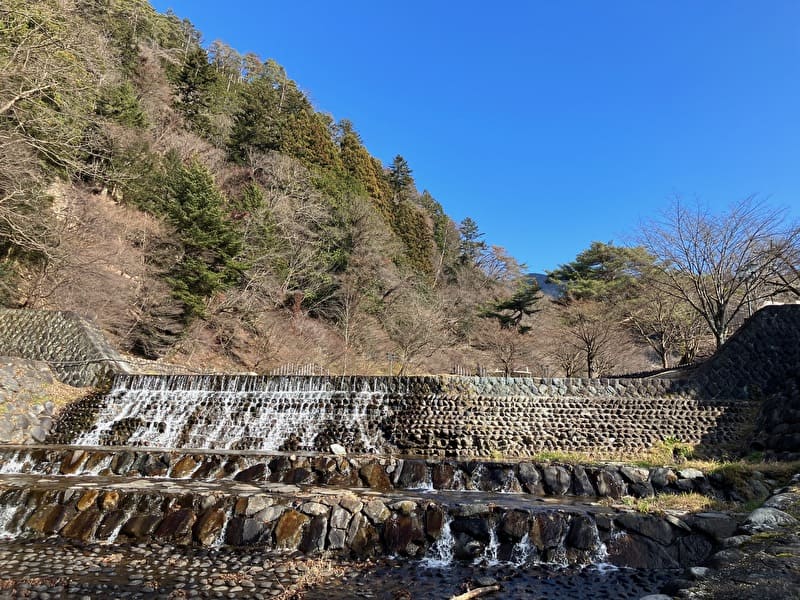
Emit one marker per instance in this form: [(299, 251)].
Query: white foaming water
[(112, 536), (476, 476), (14, 464), (601, 554), (458, 480), (510, 483), (440, 554), (220, 541), (100, 465), (424, 486), (522, 552), (489, 556), (6, 515), (250, 412)]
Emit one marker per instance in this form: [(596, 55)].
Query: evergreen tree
[(195, 83), (510, 312), (471, 245), (120, 104), (603, 272), (275, 115), (358, 163), (194, 206), (399, 176)]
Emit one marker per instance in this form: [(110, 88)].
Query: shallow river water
[(53, 568)]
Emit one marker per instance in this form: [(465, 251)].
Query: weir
[(433, 416), (233, 461)]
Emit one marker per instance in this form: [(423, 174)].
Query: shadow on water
[(406, 580)]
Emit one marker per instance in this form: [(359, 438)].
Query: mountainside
[(195, 204)]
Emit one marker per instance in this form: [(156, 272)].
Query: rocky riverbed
[(56, 569), (761, 564)]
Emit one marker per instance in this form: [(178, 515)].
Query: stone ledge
[(541, 480), (359, 524)]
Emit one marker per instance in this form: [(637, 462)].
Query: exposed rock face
[(26, 415), (289, 530), (375, 476)]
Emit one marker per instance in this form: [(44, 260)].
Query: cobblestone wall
[(76, 350), (757, 360), (513, 425), (454, 416), (285, 517), (382, 474), (429, 416), (762, 361)]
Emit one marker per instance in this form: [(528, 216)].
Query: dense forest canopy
[(194, 202)]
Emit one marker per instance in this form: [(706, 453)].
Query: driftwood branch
[(477, 592)]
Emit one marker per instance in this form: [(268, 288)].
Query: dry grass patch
[(662, 503), (13, 584), (317, 571), (62, 394)]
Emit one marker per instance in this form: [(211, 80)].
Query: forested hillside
[(193, 202)]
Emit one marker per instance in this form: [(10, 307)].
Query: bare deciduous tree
[(595, 334), (285, 234), (719, 264), (369, 274), (506, 347), (667, 324), (415, 326)]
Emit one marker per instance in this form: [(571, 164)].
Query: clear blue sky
[(552, 124)]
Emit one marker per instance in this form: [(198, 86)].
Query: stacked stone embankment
[(383, 474), (758, 359), (457, 416), (488, 417), (351, 523), (77, 352), (428, 416), (762, 362)]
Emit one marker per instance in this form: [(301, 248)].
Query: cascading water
[(522, 552), (489, 556), (254, 413), (6, 515), (14, 464), (476, 476), (441, 552)]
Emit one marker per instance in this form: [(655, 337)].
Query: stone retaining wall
[(453, 416), (361, 526), (76, 350), (428, 416), (540, 479), (758, 359), (508, 425)]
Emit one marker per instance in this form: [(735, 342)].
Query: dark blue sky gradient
[(552, 124)]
